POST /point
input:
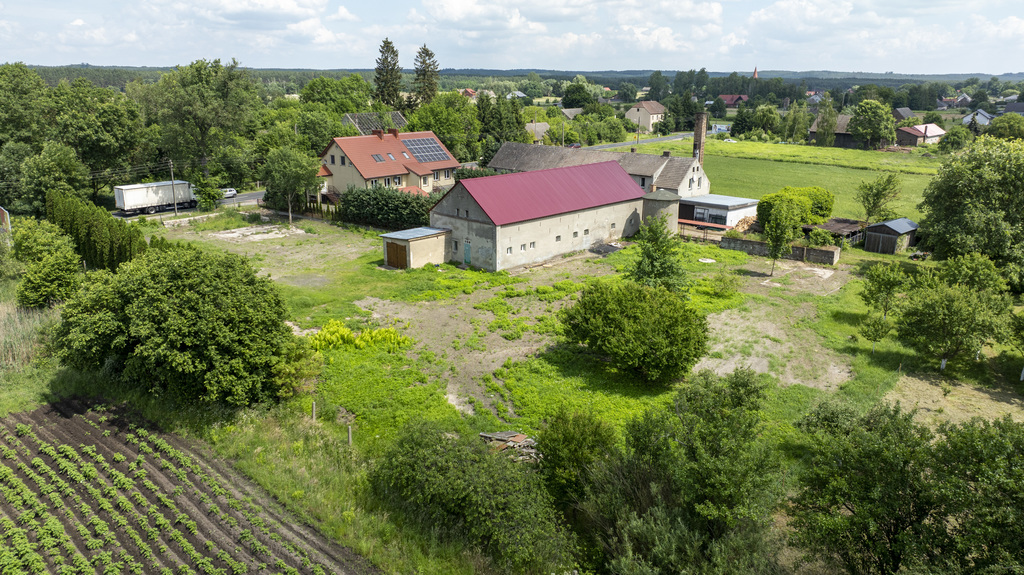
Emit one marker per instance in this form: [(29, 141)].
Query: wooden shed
[(415, 248), (890, 237)]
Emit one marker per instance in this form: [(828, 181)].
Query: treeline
[(102, 240)]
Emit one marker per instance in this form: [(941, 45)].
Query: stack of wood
[(745, 225)]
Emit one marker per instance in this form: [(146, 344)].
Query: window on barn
[(575, 234), (558, 238), (533, 245), (508, 250), (586, 232), (455, 245), (613, 225), (522, 247)]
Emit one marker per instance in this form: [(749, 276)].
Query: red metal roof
[(360, 151), (524, 196), (324, 171)]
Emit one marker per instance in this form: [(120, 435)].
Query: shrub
[(650, 331), (819, 203), (458, 489), (197, 326), (386, 208), (819, 237)]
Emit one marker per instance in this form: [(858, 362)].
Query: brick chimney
[(700, 128), (378, 133), (393, 132)]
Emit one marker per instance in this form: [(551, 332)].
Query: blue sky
[(909, 36)]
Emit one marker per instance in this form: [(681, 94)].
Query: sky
[(906, 36)]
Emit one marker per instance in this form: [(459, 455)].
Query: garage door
[(397, 255)]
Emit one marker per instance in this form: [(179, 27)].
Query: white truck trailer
[(153, 197)]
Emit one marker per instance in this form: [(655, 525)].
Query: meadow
[(753, 169)]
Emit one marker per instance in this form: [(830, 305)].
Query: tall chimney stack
[(700, 128)]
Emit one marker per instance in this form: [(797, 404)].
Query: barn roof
[(525, 196)]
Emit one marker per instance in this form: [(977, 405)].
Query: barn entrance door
[(397, 256)]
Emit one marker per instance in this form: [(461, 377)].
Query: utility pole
[(174, 191)]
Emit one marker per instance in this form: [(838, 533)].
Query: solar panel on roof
[(426, 150)]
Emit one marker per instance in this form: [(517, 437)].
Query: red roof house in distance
[(413, 161), (500, 222), (733, 100)]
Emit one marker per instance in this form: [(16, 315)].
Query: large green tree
[(426, 76), (200, 105), (196, 326), (387, 77), (873, 124), (291, 176), (649, 331), (56, 168), (946, 321), (1007, 127), (659, 86), (342, 96), (827, 120), (22, 94), (453, 118), (883, 284), (976, 204), (694, 488), (875, 197), (781, 229), (865, 501)]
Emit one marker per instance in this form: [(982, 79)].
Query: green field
[(751, 170)]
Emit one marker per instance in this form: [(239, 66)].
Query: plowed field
[(88, 488)]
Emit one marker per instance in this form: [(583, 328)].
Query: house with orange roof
[(416, 162)]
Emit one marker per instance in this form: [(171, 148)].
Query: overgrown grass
[(921, 160), (228, 219)]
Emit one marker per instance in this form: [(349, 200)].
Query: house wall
[(564, 233)]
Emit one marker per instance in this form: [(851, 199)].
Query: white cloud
[(344, 15), (473, 17), (313, 30), (77, 22)]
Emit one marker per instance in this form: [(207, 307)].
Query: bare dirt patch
[(939, 400), (258, 233), (793, 277), (769, 339)]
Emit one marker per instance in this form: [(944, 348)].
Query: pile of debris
[(518, 446)]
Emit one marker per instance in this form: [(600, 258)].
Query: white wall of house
[(731, 216)]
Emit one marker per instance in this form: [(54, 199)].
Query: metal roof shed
[(891, 236), (716, 209), (415, 247)]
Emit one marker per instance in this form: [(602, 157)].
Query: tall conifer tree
[(425, 83), (387, 79)]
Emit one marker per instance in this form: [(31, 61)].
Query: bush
[(51, 274), (649, 331), (458, 489), (194, 325), (819, 237), (815, 204), (570, 445), (386, 208)]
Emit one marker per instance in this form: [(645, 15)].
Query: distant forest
[(292, 80)]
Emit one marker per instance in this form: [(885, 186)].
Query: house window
[(377, 158), (508, 250), (447, 174), (700, 180), (643, 182), (341, 160), (424, 180), (332, 159), (374, 182), (455, 245), (405, 155), (691, 183), (586, 232), (458, 212), (390, 156), (437, 176), (575, 234), (398, 180), (558, 238), (522, 247), (533, 245), (387, 182)]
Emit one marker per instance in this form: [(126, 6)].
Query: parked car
[(229, 192), (575, 146)]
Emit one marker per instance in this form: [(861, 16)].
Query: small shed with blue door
[(891, 236)]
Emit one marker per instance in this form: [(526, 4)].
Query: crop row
[(80, 487)]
